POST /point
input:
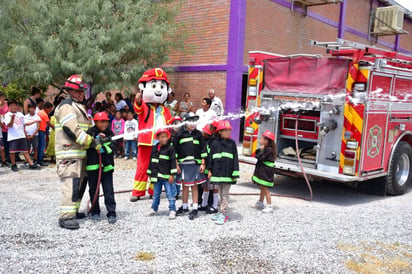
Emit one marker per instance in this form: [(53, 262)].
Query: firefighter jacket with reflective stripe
[(223, 161), (265, 167), (92, 163), (72, 124), (208, 142), (162, 163), (189, 146), (150, 119)]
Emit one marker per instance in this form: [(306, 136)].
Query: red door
[(376, 119)]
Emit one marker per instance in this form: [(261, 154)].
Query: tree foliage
[(14, 91), (109, 42)]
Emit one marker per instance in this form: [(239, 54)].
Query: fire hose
[(99, 178), (300, 162), (96, 196)]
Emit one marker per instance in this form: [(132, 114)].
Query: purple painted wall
[(235, 61), (197, 68)]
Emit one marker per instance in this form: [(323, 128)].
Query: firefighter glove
[(88, 142)]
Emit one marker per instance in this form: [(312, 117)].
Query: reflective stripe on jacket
[(189, 146), (162, 163), (264, 170), (72, 123), (223, 161), (106, 153)]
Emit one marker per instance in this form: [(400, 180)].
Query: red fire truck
[(346, 117), (254, 88)]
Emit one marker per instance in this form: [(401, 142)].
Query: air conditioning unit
[(388, 20)]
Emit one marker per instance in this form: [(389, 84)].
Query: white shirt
[(17, 130), (31, 129), (217, 106), (205, 117), (130, 129), (121, 104)]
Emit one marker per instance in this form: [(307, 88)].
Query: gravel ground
[(341, 231)]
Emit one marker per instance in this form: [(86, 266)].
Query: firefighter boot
[(69, 224), (80, 215)]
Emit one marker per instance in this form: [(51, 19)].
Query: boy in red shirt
[(44, 122)]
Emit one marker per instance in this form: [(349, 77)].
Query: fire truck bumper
[(295, 170)]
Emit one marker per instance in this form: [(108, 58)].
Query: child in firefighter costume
[(154, 89)]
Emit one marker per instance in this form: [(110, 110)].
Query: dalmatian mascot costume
[(154, 89)]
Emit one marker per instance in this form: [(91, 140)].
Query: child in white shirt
[(31, 129), (130, 136), (16, 138)]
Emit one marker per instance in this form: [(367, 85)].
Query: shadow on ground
[(326, 191)]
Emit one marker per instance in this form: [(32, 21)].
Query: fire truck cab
[(346, 117)]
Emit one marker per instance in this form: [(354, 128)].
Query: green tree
[(109, 42), (14, 91)]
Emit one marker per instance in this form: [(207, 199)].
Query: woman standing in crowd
[(120, 102), (171, 103), (186, 105)]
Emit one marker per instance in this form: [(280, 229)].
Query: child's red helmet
[(223, 125), (215, 123), (101, 116), (176, 118), (75, 82), (206, 130), (163, 130), (269, 134)]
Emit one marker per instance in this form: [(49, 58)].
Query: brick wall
[(274, 28), (406, 39), (206, 23), (198, 85)]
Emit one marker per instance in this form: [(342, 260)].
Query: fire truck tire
[(400, 170)]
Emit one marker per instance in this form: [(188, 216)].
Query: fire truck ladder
[(361, 52)]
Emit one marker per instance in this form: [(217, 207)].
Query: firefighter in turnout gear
[(71, 144)]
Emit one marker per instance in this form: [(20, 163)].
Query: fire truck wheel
[(400, 170)]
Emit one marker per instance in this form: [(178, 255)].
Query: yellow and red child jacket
[(150, 119)]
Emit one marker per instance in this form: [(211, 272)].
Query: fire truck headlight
[(352, 144), (252, 91), (359, 87), (249, 130)]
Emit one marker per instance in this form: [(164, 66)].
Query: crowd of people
[(124, 121), (27, 129), (195, 153)]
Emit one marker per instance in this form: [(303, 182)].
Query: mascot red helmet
[(163, 130), (75, 82), (154, 74), (101, 116)]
